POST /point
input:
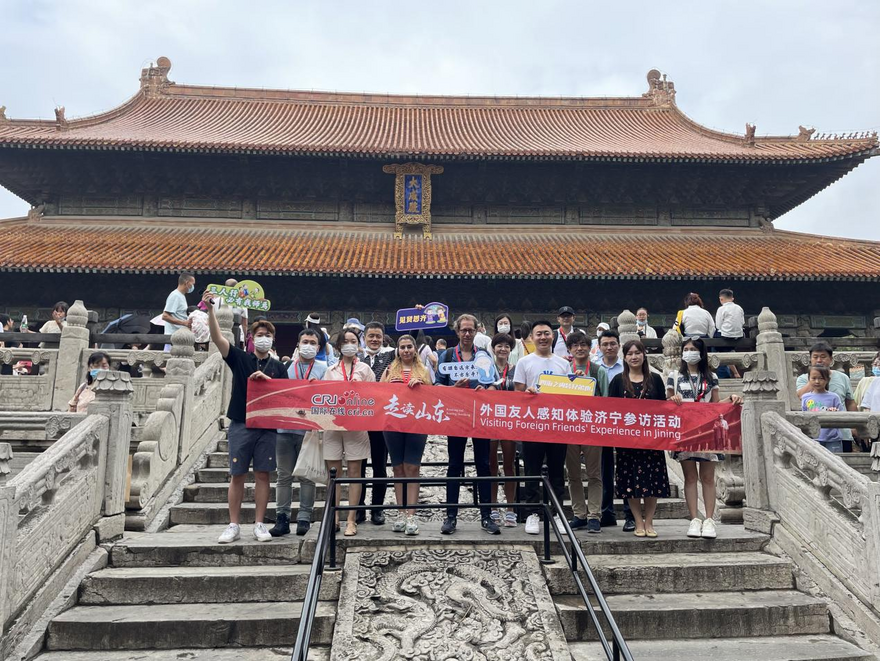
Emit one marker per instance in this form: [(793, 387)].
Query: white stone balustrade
[(32, 392)]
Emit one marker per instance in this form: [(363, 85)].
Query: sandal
[(650, 532), (641, 532), (351, 529)]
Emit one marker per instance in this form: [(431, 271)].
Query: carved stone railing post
[(627, 327), (180, 369), (769, 343), (672, 351), (113, 399), (5, 459), (74, 340), (760, 395), (224, 318)]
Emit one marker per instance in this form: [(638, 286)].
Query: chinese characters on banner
[(482, 369), (246, 294), (551, 384), (515, 416)]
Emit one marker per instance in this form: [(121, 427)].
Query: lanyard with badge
[(303, 374), (345, 376)]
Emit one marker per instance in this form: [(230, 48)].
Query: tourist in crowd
[(377, 359), (595, 350), (289, 442), (174, 313), (481, 340), (524, 341), (353, 446), (565, 317), (355, 324), (246, 445), (730, 320), (587, 513), (58, 321), (611, 363), (869, 397), (465, 326), (325, 351), (694, 382), (198, 319), (425, 352), (84, 395), (819, 398), (406, 449), (696, 321), (440, 347), (642, 327), (822, 355), (641, 474), (7, 325), (528, 371), (502, 347), (504, 325)]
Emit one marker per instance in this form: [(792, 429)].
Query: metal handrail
[(616, 650)]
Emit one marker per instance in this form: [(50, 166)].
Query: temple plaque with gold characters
[(412, 195)]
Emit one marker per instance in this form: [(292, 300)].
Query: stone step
[(703, 615), (675, 572), (190, 585), (182, 625), (204, 475), (196, 546), (316, 653), (775, 648), (611, 541), (218, 513)]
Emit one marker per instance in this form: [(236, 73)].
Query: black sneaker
[(593, 525), (629, 525), (448, 526), (490, 526), (608, 520), (282, 526), (302, 527), (576, 523), (377, 517)]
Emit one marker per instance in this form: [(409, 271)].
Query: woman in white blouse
[(696, 321)]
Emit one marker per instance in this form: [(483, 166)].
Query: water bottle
[(24, 323)]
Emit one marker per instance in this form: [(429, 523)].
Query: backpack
[(678, 326)]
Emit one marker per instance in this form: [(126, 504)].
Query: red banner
[(514, 416)]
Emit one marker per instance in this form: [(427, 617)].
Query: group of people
[(639, 477)]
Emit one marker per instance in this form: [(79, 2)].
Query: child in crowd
[(820, 399)]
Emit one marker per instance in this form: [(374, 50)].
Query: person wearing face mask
[(694, 382), (377, 360), (595, 351), (174, 315), (642, 327), (86, 393), (504, 326), (867, 395), (247, 445), (325, 351), (353, 446), (289, 444)]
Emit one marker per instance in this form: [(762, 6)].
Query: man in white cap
[(325, 351)]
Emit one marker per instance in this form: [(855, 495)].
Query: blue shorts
[(246, 445), (405, 448)]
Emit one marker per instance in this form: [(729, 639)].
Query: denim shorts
[(405, 448), (246, 445)]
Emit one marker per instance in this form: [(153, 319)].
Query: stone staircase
[(178, 594)]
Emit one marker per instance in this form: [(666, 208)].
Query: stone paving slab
[(190, 654), (185, 625), (775, 648), (170, 585), (198, 546), (701, 615), (676, 572)]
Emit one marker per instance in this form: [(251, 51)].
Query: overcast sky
[(774, 64)]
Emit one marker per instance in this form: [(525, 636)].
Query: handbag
[(310, 462), (677, 326)]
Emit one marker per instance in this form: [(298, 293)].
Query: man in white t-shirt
[(174, 313), (528, 370)]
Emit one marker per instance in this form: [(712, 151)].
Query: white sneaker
[(412, 526), (533, 524), (559, 525), (231, 533), (399, 525), (261, 533), (695, 528), (709, 529)]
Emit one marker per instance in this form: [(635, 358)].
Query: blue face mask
[(93, 373), (191, 289), (875, 371)]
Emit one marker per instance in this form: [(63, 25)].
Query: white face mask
[(308, 351), (349, 350), (372, 352), (690, 357), (263, 343), (503, 328)]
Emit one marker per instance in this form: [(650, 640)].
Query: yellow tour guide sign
[(567, 385)]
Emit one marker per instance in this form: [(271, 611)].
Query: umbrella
[(127, 324)]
